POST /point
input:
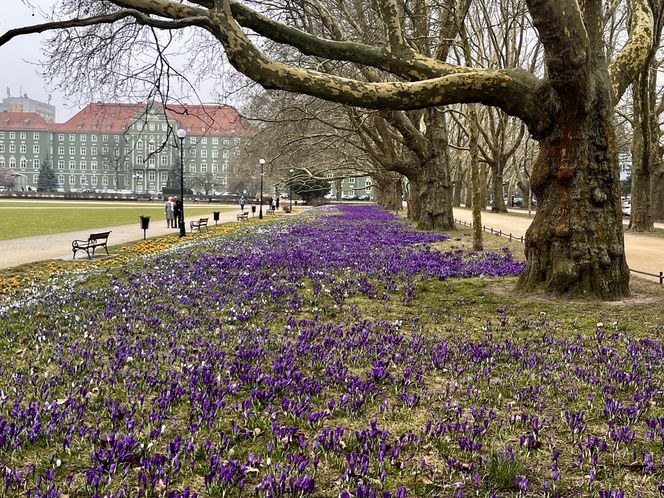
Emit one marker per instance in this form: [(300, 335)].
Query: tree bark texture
[(574, 245), (388, 191)]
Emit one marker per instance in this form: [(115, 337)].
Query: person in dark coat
[(177, 212)]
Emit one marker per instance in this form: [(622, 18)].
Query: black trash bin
[(253, 211), (145, 224), (215, 216)]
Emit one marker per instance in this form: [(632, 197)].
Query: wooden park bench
[(94, 240), (200, 223), (243, 216)]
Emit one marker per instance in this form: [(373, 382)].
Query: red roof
[(22, 121), (204, 119)]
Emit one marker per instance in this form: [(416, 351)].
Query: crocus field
[(337, 353)]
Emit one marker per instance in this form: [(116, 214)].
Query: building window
[(24, 148), (104, 181), (151, 161), (139, 159), (104, 150), (84, 151), (23, 135), (61, 179), (2, 162), (163, 176), (61, 164), (203, 168), (152, 176), (93, 150), (104, 138), (215, 168), (104, 165), (24, 163), (225, 154), (12, 135), (72, 138), (193, 153), (204, 153), (204, 140), (2, 148), (35, 164), (215, 154), (93, 138), (72, 150), (151, 146), (83, 138), (192, 168), (139, 145), (35, 149), (93, 181), (192, 140), (35, 136), (116, 139), (12, 162), (215, 140), (61, 150), (72, 180), (163, 160), (83, 165), (2, 134), (351, 180), (12, 148), (93, 165), (72, 165)]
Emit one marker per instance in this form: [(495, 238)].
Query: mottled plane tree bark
[(575, 244), (646, 134)]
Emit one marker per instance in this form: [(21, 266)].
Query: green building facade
[(127, 148)]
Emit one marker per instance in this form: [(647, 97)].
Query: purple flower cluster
[(253, 364)]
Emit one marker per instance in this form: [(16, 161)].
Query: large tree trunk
[(658, 195), (388, 191), (574, 245), (644, 147), (414, 199), (435, 196)]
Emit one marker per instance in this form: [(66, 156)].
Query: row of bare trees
[(402, 80)]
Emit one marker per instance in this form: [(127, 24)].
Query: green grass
[(27, 218)]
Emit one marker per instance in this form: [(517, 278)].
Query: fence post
[(661, 277)]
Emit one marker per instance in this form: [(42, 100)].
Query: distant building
[(352, 187), (625, 163), (26, 104), (125, 147)]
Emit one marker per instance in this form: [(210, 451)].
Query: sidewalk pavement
[(14, 252), (644, 253)]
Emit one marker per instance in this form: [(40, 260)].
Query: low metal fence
[(520, 238)]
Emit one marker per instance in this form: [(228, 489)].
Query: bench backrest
[(100, 235)]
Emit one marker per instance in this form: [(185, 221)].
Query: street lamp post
[(260, 208), (181, 133), (290, 191)]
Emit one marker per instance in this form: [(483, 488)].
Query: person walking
[(242, 203), (177, 212), (168, 211), (274, 205)]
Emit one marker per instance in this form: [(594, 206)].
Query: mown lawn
[(336, 354), (26, 218)]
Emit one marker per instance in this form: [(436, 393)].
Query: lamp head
[(181, 133), (261, 162)]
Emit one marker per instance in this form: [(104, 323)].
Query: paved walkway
[(644, 252), (14, 252)]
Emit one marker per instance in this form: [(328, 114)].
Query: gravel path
[(14, 252), (644, 252)]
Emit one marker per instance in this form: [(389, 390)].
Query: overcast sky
[(19, 59)]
